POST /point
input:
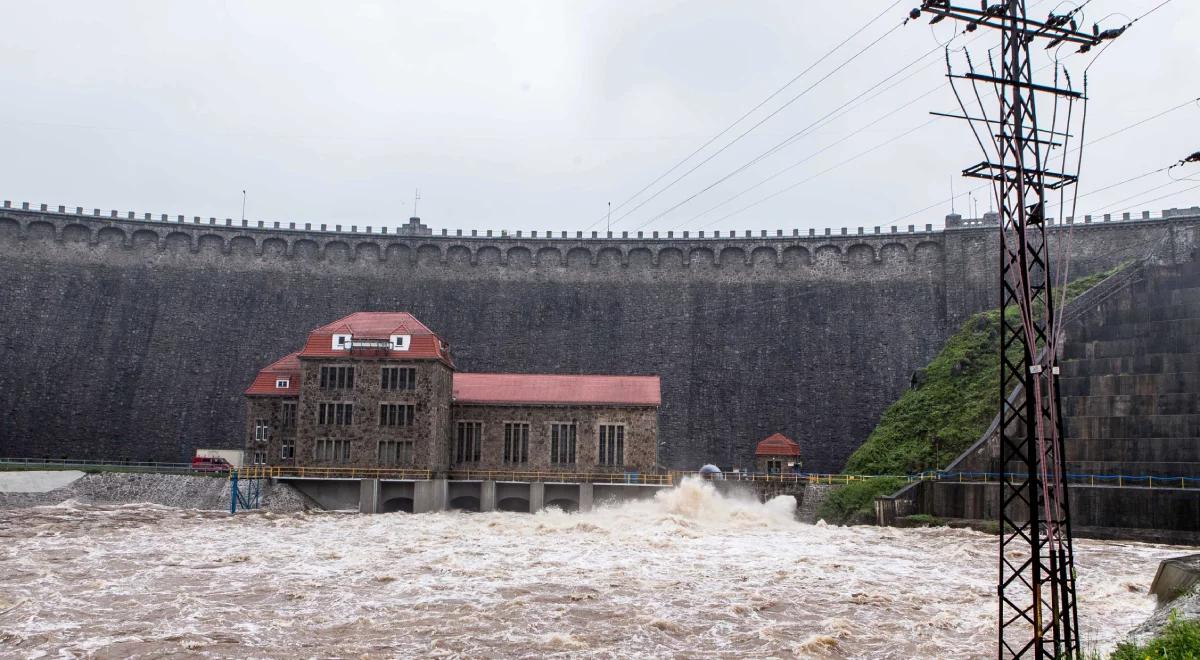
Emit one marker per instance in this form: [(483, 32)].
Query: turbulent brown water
[(689, 574)]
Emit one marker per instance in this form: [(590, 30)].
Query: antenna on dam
[(1026, 161)]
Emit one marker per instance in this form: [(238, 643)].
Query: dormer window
[(400, 342), (341, 342), (282, 383)]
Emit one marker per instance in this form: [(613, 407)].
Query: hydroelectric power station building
[(379, 391)]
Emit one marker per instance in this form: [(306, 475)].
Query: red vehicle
[(210, 464)]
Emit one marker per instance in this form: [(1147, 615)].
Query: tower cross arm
[(1055, 29)]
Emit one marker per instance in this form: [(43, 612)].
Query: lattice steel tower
[(1027, 161)]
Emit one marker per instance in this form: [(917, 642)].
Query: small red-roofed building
[(380, 389), (777, 454)]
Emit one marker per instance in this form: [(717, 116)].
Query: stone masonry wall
[(641, 435), (430, 398), (134, 338)]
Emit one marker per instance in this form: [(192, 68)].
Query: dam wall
[(132, 336)]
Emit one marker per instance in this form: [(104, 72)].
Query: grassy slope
[(1180, 640), (953, 405), (934, 421)]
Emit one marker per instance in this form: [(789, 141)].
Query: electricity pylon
[(1027, 160)]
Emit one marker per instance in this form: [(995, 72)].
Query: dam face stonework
[(134, 338)]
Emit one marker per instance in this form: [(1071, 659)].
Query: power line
[(788, 140), (754, 109), (811, 156), (760, 122), (1120, 130), (823, 172)]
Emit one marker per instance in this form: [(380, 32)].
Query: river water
[(689, 574)]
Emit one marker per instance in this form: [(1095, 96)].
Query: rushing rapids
[(690, 572)]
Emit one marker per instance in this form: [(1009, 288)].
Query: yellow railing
[(635, 478), (284, 472), (288, 471), (830, 479)]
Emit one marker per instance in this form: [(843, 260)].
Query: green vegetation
[(950, 404), (1180, 640), (854, 503)]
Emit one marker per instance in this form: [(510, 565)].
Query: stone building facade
[(380, 390)]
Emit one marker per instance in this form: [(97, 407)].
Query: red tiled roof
[(777, 445), (286, 367), (423, 343), (556, 389), (376, 325)]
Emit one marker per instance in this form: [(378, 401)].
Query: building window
[(333, 451), (337, 378), (562, 444), (288, 451), (516, 442), (260, 457), (612, 444), (396, 414), (282, 383), (287, 415), (262, 430), (395, 452), (400, 342), (467, 446), (341, 342), (336, 414), (398, 378)]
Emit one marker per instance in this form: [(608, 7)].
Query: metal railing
[(635, 478), (303, 472), (564, 476), (108, 466)]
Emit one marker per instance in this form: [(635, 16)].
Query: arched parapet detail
[(860, 254), (827, 256), (459, 257), (732, 256), (243, 246), (211, 243), (894, 253), (429, 255), (145, 240), (702, 257), (796, 256), (610, 258), (41, 231), (519, 257), (640, 258), (111, 237), (549, 257), (275, 248), (579, 257), (178, 242), (306, 249), (398, 254), (337, 252), (928, 252), (765, 257), (9, 228), (669, 258), (76, 233), (488, 255), (368, 252)]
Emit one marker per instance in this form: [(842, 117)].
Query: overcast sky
[(534, 115)]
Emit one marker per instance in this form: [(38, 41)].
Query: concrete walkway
[(37, 481)]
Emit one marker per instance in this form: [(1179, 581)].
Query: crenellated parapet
[(891, 250)]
